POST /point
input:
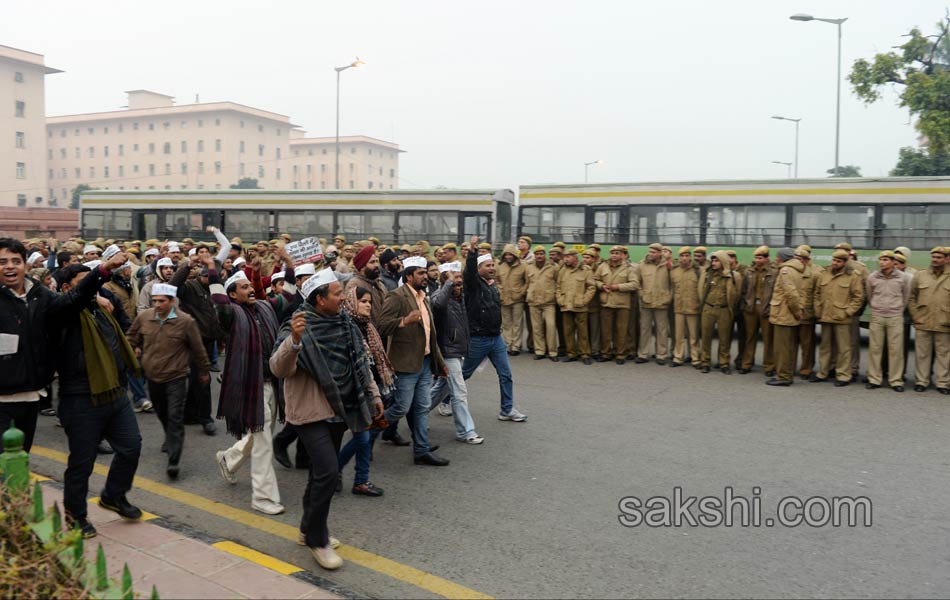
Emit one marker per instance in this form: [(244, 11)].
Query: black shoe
[(770, 373), (553, 358), (706, 369), (566, 359), (434, 447), (172, 471), (281, 456), (674, 364), (339, 482), (620, 361), (871, 386), (944, 391), (854, 378), (105, 448), (640, 361), (603, 359), (659, 361), (396, 439), (842, 383), (85, 527), (898, 388), (920, 388), (121, 506), (725, 370), (742, 371), (209, 428), (816, 379), (430, 459), (539, 357), (367, 489), (778, 383), (586, 361)]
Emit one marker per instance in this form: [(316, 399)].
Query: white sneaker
[(302, 541), (223, 467), (512, 415), (144, 406), (327, 558), (445, 409), (267, 507), (475, 439)]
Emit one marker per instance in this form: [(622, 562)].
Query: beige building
[(365, 163), (23, 129), (154, 144)]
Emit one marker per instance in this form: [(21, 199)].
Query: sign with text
[(305, 250)]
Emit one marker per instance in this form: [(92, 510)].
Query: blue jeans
[(413, 393), (494, 348), (137, 384), (361, 445), (453, 388)]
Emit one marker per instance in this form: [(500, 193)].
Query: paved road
[(534, 511)]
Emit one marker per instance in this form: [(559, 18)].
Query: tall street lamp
[(796, 121), (587, 167), (353, 65), (838, 22), (788, 165)]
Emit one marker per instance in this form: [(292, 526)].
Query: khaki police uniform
[(655, 297), (838, 297), (930, 311), (686, 312), (785, 312), (512, 284), (806, 331), (542, 298), (575, 289), (718, 296), (615, 305), (757, 283)]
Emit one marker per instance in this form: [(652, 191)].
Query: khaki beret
[(699, 249), (622, 249), (375, 240), (450, 246), (527, 239), (761, 251), (406, 248), (843, 246), (537, 249), (841, 254), (340, 236), (560, 245), (887, 254), (188, 241), (806, 247), (154, 242), (731, 253), (900, 258), (274, 242), (348, 247), (656, 246), (285, 236), (684, 250), (591, 252), (595, 246), (803, 251), (570, 252), (135, 243), (939, 250), (484, 246)]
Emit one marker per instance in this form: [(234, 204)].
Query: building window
[(217, 167), (135, 168), (278, 173), (201, 123), (295, 185), (260, 128), (184, 147), (151, 147), (20, 107), (352, 150), (184, 168), (370, 184), (121, 149), (21, 141), (78, 155), (241, 147), (241, 124), (121, 128), (309, 170), (167, 125), (278, 153), (78, 173), (278, 132), (323, 185), (369, 151), (351, 185), (91, 130), (352, 168), (217, 186), (241, 170), (310, 152), (62, 173), (168, 168), (369, 170), (135, 147), (135, 125), (217, 145), (167, 148), (260, 170), (201, 145), (62, 133), (121, 171), (105, 171), (18, 77), (92, 172), (151, 169), (260, 149), (201, 168), (324, 151), (168, 187), (217, 122), (51, 175), (380, 171), (21, 199), (76, 132), (62, 152), (92, 151), (323, 169), (296, 171), (151, 126), (105, 130), (105, 151), (392, 173)]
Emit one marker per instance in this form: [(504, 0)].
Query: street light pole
[(587, 167), (788, 166), (796, 121), (838, 22), (355, 64)]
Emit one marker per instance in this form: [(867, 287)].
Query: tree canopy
[(246, 183), (74, 200), (845, 171)]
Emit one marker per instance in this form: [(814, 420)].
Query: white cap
[(110, 251), (329, 249), (174, 247), (34, 257), (127, 265), (414, 261), (324, 277), (238, 261), (277, 275), (485, 257), (163, 289), (165, 262), (305, 269), (92, 264), (90, 248), (192, 251), (452, 266), (151, 252), (234, 279)]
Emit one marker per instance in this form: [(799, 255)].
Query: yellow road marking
[(38, 477), (411, 575), (254, 556)]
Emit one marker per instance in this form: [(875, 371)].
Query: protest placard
[(305, 250)]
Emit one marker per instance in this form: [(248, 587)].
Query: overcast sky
[(497, 94)]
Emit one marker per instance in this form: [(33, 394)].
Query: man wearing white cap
[(90, 252), (329, 388), (249, 392), (166, 342), (164, 269), (414, 353)]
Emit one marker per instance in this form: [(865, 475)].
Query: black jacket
[(482, 301), (31, 368), (451, 322), (195, 300)]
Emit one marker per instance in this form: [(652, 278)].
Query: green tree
[(82, 187), (914, 162), (246, 183), (845, 171), (920, 70)]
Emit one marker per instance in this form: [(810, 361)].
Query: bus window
[(107, 223), (745, 226), (919, 227), (475, 224), (301, 224), (361, 225), (503, 224), (547, 224), (249, 225), (826, 225), (438, 227), (185, 223), (665, 224)]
